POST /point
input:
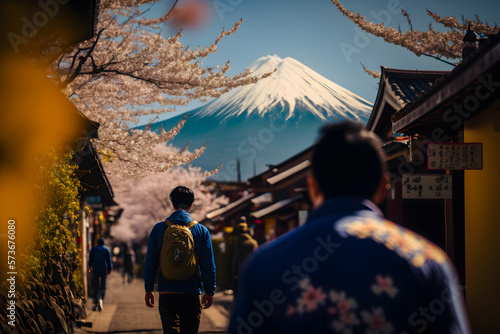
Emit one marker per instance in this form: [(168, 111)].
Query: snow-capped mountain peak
[(291, 88)]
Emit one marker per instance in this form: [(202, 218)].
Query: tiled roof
[(408, 89), (406, 85), (275, 207), (398, 88), (478, 63), (224, 209)]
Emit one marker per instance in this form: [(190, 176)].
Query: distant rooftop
[(406, 85), (398, 88)]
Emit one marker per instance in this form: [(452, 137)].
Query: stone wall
[(51, 305)]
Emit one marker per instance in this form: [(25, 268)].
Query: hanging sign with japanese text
[(455, 156), (436, 186)]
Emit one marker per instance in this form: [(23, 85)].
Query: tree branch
[(444, 61), (83, 60)]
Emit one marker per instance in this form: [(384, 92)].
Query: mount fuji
[(266, 122)]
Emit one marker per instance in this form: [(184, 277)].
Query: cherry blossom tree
[(129, 70), (440, 45), (146, 201)]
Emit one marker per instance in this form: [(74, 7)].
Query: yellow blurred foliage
[(35, 117)]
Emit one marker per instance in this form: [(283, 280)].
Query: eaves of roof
[(463, 75)]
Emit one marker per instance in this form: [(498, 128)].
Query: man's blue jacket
[(100, 260), (203, 248)]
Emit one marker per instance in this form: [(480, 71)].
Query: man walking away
[(349, 270), (179, 305), (100, 266), (128, 265), (243, 246)]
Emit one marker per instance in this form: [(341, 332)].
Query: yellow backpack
[(178, 261)]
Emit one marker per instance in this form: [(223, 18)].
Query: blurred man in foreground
[(348, 270)]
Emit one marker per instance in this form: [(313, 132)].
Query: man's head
[(100, 242), (348, 161), (242, 225), (182, 198)]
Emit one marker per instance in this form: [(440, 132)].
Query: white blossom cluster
[(477, 26), (129, 70), (374, 74), (146, 201), (436, 44)]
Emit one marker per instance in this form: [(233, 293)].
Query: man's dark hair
[(348, 160), (182, 197), (100, 242)]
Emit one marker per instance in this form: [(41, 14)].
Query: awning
[(289, 172), (396, 147), (230, 206), (275, 207), (263, 199), (92, 177)]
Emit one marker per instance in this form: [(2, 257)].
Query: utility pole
[(238, 166)]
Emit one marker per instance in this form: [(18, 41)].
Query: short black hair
[(348, 160), (100, 242), (182, 197)]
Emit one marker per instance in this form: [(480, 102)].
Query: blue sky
[(313, 31)]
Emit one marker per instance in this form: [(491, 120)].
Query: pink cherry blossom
[(384, 284), (129, 70), (146, 200), (290, 310), (433, 43), (311, 299)]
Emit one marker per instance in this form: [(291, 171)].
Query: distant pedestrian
[(243, 245), (183, 274), (100, 265), (348, 270), (128, 265)]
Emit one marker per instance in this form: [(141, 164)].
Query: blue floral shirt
[(348, 270)]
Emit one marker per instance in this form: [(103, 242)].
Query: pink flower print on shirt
[(290, 310), (305, 283), (345, 322), (350, 319), (384, 284), (332, 310), (344, 307), (343, 304), (311, 299), (376, 322)]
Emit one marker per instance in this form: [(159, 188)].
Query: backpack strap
[(189, 226)]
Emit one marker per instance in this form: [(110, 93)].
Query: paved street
[(124, 311)]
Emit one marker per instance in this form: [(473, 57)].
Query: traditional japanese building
[(283, 203), (397, 89), (463, 110), (448, 134)]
